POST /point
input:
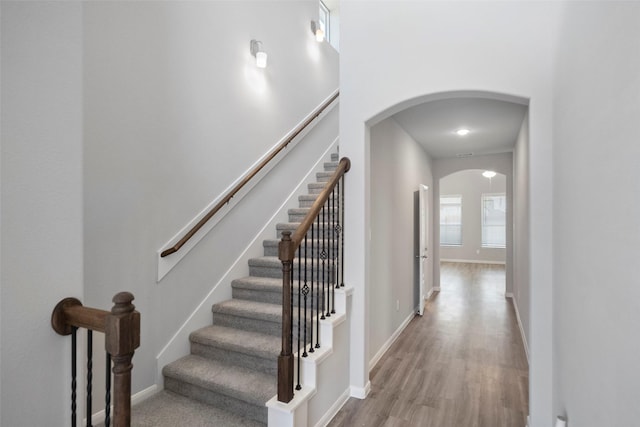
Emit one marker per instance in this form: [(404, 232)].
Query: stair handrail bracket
[(289, 244), (121, 327)]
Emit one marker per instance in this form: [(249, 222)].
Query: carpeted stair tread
[(323, 176), (316, 187), (266, 284), (168, 409), (249, 309), (237, 382), (335, 157), (331, 166), (237, 340)]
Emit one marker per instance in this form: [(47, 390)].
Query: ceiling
[(493, 126)]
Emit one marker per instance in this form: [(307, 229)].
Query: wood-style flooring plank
[(460, 365)]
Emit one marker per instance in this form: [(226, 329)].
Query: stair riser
[(315, 234), (268, 366), (274, 272), (217, 399), (314, 196), (307, 203), (299, 217), (261, 296), (254, 325), (272, 250), (323, 176), (330, 166)]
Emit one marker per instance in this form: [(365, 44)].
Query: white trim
[(140, 396), (524, 337), (166, 264), (426, 298), (472, 261), (374, 361), (429, 294), (360, 392), (178, 345), (333, 411)]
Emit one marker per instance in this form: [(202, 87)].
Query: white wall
[(175, 111), (596, 214), (41, 204), (398, 166), (521, 236), (471, 185), (419, 50)]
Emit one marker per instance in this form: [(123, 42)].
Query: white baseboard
[(429, 294), (472, 261), (360, 392), (374, 361), (524, 337), (140, 396), (331, 412)]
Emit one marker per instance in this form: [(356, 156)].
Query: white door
[(423, 247)]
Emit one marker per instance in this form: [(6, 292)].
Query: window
[(451, 221), (494, 215), (325, 20)]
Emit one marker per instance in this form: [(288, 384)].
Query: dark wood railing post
[(121, 327), (122, 337), (286, 251)]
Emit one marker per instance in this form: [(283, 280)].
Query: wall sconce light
[(488, 174), (317, 30), (261, 55)]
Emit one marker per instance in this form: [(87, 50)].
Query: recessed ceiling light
[(488, 174), (462, 132)]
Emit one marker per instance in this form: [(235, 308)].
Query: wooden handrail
[(227, 198), (286, 253), (121, 327), (305, 225)]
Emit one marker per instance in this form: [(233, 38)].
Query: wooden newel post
[(122, 337), (285, 360)]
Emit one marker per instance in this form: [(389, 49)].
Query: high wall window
[(325, 20), (494, 216), (451, 220)]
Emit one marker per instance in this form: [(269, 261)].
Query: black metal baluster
[(107, 396), (341, 209), (314, 284), (332, 207), (323, 257), (338, 233), (305, 292), (89, 374), (298, 386), (74, 363)]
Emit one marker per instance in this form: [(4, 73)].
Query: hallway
[(461, 365)]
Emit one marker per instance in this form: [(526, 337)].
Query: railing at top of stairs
[(121, 327), (315, 253)]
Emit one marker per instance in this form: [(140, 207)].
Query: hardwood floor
[(461, 365)]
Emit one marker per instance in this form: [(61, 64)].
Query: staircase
[(231, 371)]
